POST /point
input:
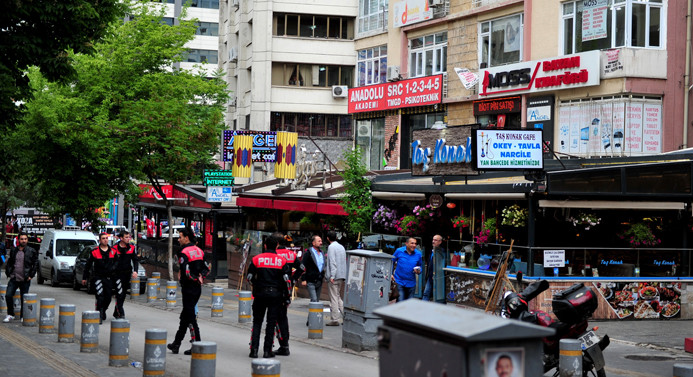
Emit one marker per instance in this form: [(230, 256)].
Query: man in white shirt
[(335, 275)]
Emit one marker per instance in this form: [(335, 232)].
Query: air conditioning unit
[(340, 91), (393, 73), (233, 55), (233, 102), (363, 130), (235, 4), (435, 3)]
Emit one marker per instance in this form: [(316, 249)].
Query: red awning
[(294, 205), (254, 202), (331, 209)]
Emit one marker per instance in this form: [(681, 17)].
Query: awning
[(295, 205), (254, 202), (331, 209), (611, 204), (387, 195), (486, 196)]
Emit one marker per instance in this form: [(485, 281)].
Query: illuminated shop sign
[(508, 149), (264, 144), (568, 72), (442, 152), (420, 91)]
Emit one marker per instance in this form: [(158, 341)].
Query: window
[(167, 21), (315, 75), (500, 41), (372, 66), (372, 15), (370, 136), (428, 55), (211, 4), (202, 56), (324, 125), (313, 26), (627, 23), (207, 28)]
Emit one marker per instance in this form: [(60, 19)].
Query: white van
[(113, 231), (58, 251)]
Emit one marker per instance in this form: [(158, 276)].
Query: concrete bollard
[(315, 320), (157, 276), (89, 341), (570, 358), (265, 367), (118, 349), (66, 323), (3, 303), (217, 302), (134, 288), (47, 316), (683, 370), (29, 310), (171, 289), (17, 302), (151, 290), (154, 352), (204, 359), (244, 306)]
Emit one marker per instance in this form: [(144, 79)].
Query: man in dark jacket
[(268, 274), (20, 269), (104, 261), (313, 263), (126, 269), (295, 271), (434, 288)]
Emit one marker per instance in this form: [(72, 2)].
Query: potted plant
[(415, 223), (585, 220), (461, 221), (385, 217), (487, 233), (514, 216), (640, 234)]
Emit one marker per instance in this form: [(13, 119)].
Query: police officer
[(104, 261), (268, 274), (191, 274), (295, 269), (126, 269)]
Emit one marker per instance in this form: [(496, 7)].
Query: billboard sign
[(420, 91), (508, 149), (264, 145)]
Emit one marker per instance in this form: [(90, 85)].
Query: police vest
[(287, 254), (96, 253), (193, 253), (269, 260), (131, 250)]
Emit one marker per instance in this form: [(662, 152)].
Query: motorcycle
[(572, 307)]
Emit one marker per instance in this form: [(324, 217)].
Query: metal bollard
[(570, 358), (134, 288), (683, 370), (89, 342), (217, 302), (47, 316), (154, 352), (17, 302), (315, 320), (3, 303), (151, 290), (244, 306), (171, 288), (157, 276), (204, 359), (66, 323), (118, 350), (29, 310), (265, 367)]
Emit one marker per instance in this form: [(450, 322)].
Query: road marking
[(65, 366)]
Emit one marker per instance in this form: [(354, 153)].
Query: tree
[(357, 200)]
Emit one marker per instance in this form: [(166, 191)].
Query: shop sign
[(508, 149), (407, 12), (554, 258), (419, 91), (150, 192), (37, 223), (218, 194), (594, 13), (468, 78), (264, 145), (442, 152), (217, 177), (567, 72), (498, 106), (435, 200), (538, 114)]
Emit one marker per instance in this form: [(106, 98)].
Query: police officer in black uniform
[(126, 269), (191, 274), (104, 260), (295, 271), (268, 274)]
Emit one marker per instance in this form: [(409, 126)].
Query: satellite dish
[(484, 262)]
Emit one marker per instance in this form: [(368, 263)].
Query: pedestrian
[(335, 275), (434, 289), (191, 274), (268, 274), (20, 269), (104, 261), (294, 271), (126, 269), (407, 264), (313, 263)]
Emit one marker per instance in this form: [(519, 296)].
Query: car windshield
[(72, 248)]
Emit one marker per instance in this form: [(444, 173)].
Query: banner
[(243, 161), (285, 167)]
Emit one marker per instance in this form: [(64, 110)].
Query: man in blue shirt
[(407, 264)]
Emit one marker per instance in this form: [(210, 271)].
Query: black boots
[(187, 352), (253, 353), (282, 351), (173, 347), (268, 354)]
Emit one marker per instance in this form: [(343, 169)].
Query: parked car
[(80, 265), (58, 251), (176, 229), (113, 231)]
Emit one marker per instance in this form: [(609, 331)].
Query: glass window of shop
[(372, 15), (371, 66), (313, 26), (500, 41), (415, 122), (428, 55), (319, 125), (370, 135), (627, 23), (291, 74)]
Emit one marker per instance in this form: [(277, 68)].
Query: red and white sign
[(149, 191), (565, 72), (407, 12), (420, 91)]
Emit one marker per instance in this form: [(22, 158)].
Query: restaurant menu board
[(467, 290), (637, 300)]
